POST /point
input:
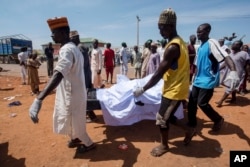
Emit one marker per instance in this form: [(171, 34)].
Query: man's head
[(167, 23), (153, 47), (163, 42), (34, 55), (236, 46), (108, 45), (203, 32), (74, 37), (60, 29), (221, 42), (124, 44), (148, 43), (192, 39), (245, 48), (24, 49), (136, 48), (95, 43), (50, 45)]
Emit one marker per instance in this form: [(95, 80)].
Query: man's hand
[(235, 80), (34, 110), (138, 91)]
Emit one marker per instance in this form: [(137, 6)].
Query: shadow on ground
[(8, 160), (146, 131)]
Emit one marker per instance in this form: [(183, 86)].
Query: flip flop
[(157, 151), (82, 148)]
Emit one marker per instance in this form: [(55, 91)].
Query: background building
[(11, 45)]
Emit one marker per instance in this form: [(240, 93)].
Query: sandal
[(159, 151), (82, 148)]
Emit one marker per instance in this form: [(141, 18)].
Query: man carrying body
[(69, 116), (174, 69), (209, 55)]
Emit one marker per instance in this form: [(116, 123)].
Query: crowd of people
[(189, 76)]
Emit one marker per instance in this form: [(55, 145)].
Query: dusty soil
[(23, 143)]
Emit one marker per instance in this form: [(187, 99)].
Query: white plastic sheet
[(118, 102)]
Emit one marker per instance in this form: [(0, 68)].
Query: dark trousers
[(50, 67), (201, 97)]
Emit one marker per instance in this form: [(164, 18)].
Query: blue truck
[(10, 46)]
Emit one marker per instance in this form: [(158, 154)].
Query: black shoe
[(91, 115), (217, 126), (81, 148), (74, 143), (189, 135)]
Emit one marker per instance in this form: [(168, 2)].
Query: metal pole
[(138, 19)]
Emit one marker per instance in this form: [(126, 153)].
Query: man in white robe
[(96, 65), (69, 116)]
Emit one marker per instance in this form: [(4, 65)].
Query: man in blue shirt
[(209, 55)]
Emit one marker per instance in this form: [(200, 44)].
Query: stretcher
[(92, 102)]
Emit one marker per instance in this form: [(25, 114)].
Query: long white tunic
[(70, 102), (96, 65)]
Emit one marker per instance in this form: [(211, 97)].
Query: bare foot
[(159, 150)]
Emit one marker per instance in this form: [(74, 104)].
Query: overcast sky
[(115, 21)]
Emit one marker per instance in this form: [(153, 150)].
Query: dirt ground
[(23, 143)]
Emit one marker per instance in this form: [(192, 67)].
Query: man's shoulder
[(69, 47), (20, 54), (243, 53), (212, 41)]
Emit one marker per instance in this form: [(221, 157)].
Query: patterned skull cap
[(73, 34), (57, 22), (154, 44), (168, 16)]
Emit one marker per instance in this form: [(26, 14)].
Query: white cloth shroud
[(118, 102)]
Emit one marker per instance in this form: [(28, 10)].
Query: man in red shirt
[(192, 54), (109, 61)]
